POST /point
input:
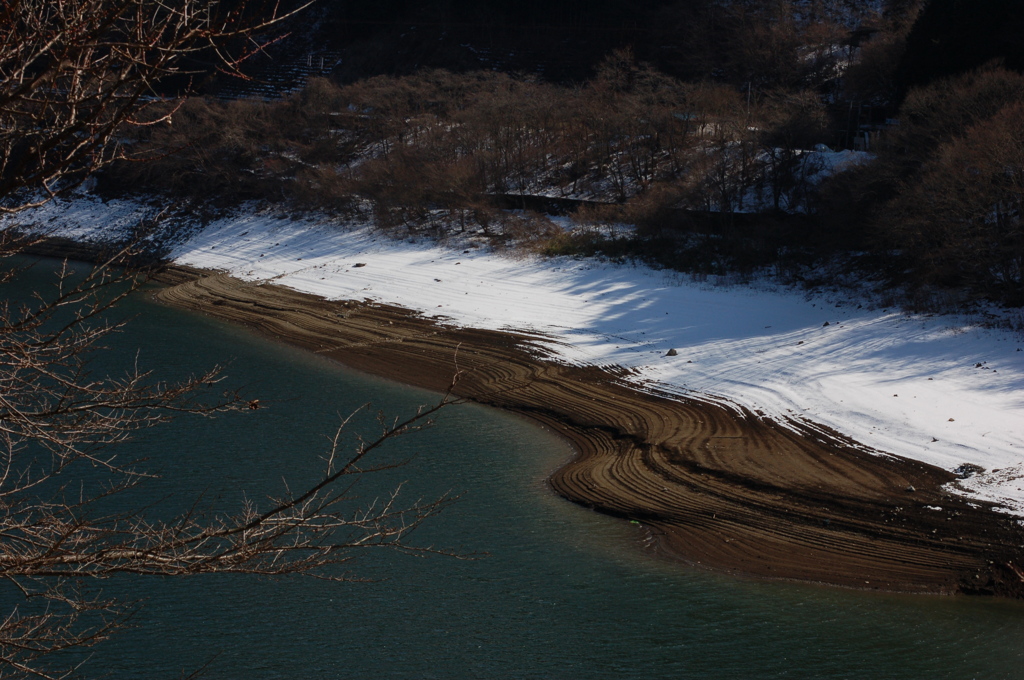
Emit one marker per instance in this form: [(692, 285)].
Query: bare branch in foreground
[(58, 417)]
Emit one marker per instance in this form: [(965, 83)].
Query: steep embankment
[(718, 487)]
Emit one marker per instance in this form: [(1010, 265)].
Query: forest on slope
[(717, 129)]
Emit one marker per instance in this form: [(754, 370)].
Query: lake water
[(562, 592)]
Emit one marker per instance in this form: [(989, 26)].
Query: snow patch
[(930, 388)]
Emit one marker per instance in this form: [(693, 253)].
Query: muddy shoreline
[(724, 490)]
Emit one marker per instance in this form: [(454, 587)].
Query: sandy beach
[(716, 486)]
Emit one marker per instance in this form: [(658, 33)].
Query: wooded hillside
[(709, 134)]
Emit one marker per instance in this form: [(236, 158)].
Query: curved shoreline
[(740, 494)]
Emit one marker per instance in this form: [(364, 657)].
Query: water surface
[(562, 592)]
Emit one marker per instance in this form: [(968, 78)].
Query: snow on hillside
[(932, 388)]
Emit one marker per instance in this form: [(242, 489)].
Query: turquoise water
[(561, 592)]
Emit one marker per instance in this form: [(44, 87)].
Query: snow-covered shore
[(932, 388)]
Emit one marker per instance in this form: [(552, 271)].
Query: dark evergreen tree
[(955, 36)]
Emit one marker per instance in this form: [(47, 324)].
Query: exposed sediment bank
[(718, 487)]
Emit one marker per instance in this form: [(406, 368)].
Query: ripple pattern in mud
[(717, 487)]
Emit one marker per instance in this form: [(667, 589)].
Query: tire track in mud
[(716, 487)]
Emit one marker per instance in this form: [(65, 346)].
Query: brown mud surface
[(717, 487)]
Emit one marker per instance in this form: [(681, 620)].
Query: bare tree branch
[(57, 416), (74, 74)]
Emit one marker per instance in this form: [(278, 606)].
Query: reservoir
[(541, 588)]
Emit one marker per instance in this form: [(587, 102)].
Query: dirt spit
[(717, 487)]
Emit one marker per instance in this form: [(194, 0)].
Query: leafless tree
[(789, 122), (73, 75), (962, 221), (57, 418)]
